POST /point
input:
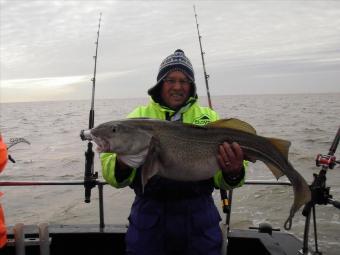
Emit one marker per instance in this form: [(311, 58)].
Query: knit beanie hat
[(174, 62)]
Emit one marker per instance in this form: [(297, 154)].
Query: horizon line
[(147, 97)]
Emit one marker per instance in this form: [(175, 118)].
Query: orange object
[(3, 162), (3, 154), (3, 230)]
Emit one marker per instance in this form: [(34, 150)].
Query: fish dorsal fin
[(281, 145), (233, 124), (275, 170)]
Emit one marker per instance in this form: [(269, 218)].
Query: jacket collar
[(183, 109)]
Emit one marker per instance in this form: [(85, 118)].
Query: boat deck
[(91, 239)]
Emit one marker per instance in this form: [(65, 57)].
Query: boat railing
[(100, 185)]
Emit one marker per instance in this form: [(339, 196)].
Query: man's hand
[(230, 158)]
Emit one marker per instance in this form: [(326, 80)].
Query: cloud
[(49, 82), (243, 39)]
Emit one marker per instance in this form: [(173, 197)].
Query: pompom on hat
[(174, 62)]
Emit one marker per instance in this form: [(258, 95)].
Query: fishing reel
[(328, 161)]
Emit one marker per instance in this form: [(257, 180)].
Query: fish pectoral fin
[(151, 165), (275, 170), (233, 123), (281, 145)]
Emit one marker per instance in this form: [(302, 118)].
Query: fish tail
[(288, 222)]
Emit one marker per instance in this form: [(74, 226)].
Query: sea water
[(56, 153)]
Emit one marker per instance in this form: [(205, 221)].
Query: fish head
[(120, 137)]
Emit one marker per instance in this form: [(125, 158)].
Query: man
[(172, 217)]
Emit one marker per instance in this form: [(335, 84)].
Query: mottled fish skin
[(186, 152)]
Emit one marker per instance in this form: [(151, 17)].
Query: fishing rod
[(225, 197), (206, 76), (90, 176), (320, 193)]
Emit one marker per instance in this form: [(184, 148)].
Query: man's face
[(175, 90)]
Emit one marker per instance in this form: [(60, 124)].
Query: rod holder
[(19, 237), (44, 239)]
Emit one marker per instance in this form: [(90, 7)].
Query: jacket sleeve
[(223, 183), (108, 163)]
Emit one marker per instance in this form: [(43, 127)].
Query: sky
[(251, 47)]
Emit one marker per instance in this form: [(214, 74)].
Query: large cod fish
[(186, 152)]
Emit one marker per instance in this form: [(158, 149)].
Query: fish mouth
[(102, 145)]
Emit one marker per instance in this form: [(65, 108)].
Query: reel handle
[(335, 203)]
